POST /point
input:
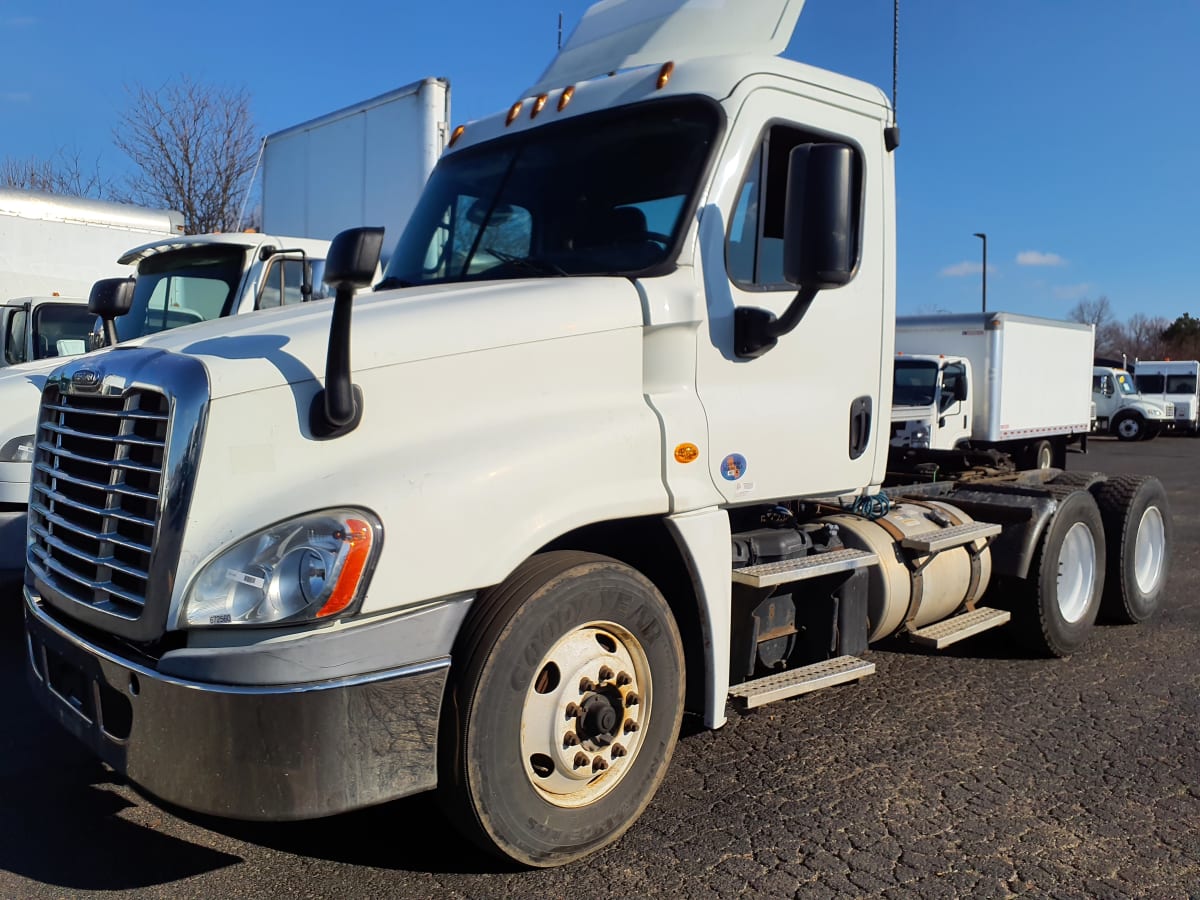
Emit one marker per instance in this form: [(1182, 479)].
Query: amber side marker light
[(664, 74), (514, 112), (567, 94), (686, 453), (458, 132)]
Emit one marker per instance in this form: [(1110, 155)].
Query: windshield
[(1125, 383), (915, 382), (60, 329), (604, 194), (182, 287)]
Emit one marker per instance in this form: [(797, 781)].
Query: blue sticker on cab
[(733, 467)]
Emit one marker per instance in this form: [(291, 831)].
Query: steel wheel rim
[(564, 754), (1076, 572), (1045, 457), (1149, 550), (1128, 427)]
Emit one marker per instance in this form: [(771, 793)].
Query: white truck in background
[(581, 468), (1175, 382), (991, 381), (1122, 411), (180, 281), (52, 249), (362, 165)]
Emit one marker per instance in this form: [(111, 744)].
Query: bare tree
[(1109, 333), (1142, 336), (194, 146), (63, 174)]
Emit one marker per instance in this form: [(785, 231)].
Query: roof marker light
[(664, 74), (514, 112), (538, 105), (458, 132), (567, 94)]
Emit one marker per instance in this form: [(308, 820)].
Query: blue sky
[(1067, 130)]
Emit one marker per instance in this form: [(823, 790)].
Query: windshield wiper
[(393, 282), (529, 263)]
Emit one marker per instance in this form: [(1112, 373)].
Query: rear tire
[(566, 699), (1041, 455), (1137, 525), (1066, 579)]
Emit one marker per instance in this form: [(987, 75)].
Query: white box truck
[(180, 281), (52, 249), (998, 380), (362, 165), (496, 530), (1175, 382), (1122, 411)]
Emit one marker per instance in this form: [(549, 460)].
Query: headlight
[(311, 567), (1155, 412), (19, 449)]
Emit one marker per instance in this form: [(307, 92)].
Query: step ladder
[(956, 628), (811, 566), (948, 538), (793, 682)]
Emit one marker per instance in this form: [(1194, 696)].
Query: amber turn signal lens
[(686, 453), (458, 132), (664, 74)]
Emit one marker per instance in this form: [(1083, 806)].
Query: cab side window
[(282, 284), (954, 375), (754, 244)]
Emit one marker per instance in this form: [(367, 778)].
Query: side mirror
[(820, 240), (820, 219), (351, 263), (109, 298)]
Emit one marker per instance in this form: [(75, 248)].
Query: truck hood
[(288, 345), (20, 392)]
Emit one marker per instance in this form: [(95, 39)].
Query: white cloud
[(1037, 258), (1072, 291), (16, 97)]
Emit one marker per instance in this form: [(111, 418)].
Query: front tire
[(566, 699), (1066, 579), (1129, 427), (1137, 523)]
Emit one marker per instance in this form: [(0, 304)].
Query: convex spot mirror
[(820, 228)]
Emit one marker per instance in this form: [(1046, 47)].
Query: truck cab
[(1122, 411), (1175, 383), (33, 328), (931, 401)]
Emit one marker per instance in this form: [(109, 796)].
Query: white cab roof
[(311, 246), (624, 34)]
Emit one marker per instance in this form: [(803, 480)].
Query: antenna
[(560, 29), (891, 134)]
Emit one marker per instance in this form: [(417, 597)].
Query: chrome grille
[(96, 496)]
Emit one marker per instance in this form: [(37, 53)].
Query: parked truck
[(180, 281), (366, 163), (1122, 411), (575, 467), (52, 248), (990, 381), (1174, 383)]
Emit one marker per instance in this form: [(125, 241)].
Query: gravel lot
[(974, 772)]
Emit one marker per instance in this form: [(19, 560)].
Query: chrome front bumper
[(265, 752)]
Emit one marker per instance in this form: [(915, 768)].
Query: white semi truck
[(990, 381), (52, 249), (366, 163), (575, 466), (1173, 382), (180, 281), (1122, 411)]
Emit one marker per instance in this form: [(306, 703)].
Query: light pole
[(983, 237)]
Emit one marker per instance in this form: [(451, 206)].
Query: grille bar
[(107, 561), (94, 485), (123, 414), (126, 464), (60, 523), (64, 500), (106, 586), (110, 438)]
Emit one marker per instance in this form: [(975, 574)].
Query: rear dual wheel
[(1137, 521), (567, 694)]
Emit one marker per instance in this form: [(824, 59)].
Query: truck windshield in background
[(182, 287), (603, 194), (915, 382), (60, 329)]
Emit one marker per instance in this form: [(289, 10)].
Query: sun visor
[(624, 34)]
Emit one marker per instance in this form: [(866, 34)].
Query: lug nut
[(581, 760), (623, 679), (570, 739), (630, 726), (599, 765), (605, 673), (572, 710), (585, 685), (617, 751), (631, 699)]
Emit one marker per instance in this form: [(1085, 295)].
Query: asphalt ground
[(974, 772)]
